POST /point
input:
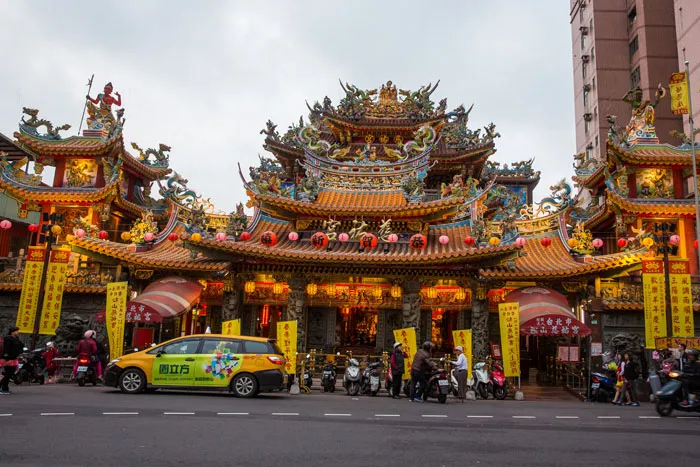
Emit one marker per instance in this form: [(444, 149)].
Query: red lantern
[(5, 224), (546, 241), (268, 238), (368, 240), (172, 236), (418, 242), (622, 242), (245, 236), (469, 240), (695, 244), (343, 237), (319, 239), (393, 238), (102, 235), (33, 228)]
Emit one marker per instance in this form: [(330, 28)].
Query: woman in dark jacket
[(12, 348)]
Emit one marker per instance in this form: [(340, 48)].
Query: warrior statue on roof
[(102, 117)]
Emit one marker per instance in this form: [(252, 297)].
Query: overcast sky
[(204, 76)]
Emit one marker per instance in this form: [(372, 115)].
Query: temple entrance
[(443, 322), (356, 327)]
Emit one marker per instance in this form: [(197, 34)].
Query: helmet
[(428, 346), (49, 344), (89, 334), (396, 344), (694, 352)]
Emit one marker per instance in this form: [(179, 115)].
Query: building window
[(585, 98), (595, 112), (634, 46), (587, 126), (635, 78), (584, 69), (583, 42), (631, 18), (592, 53), (594, 82), (596, 140), (589, 153), (590, 26)]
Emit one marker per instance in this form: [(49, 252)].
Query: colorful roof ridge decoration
[(652, 154), (651, 207)]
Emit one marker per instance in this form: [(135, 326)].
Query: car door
[(217, 361), (174, 363)]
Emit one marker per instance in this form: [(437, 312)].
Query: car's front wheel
[(132, 381), (244, 385)]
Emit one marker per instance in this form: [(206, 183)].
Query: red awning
[(544, 312), (165, 298)]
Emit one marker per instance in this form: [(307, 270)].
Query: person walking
[(52, 366), (460, 367), (397, 370), (12, 347), (420, 367), (629, 375)]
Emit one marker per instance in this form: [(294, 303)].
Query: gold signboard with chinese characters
[(681, 299), (28, 300), (115, 313), (287, 340), (53, 295), (509, 316), (654, 301)]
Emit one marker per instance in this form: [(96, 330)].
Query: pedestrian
[(460, 367), (52, 366), (683, 360), (397, 369), (12, 347), (420, 367), (629, 375), (617, 400)]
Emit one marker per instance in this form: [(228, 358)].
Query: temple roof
[(651, 207), (652, 154), (72, 146), (27, 193), (554, 262)]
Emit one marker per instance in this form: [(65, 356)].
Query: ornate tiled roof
[(650, 207), (166, 255), (152, 173), (396, 253), (73, 146), (603, 213), (652, 154), (27, 193), (554, 261), (631, 305), (69, 288)]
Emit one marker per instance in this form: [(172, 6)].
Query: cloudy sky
[(204, 76)]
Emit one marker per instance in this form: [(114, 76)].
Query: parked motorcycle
[(308, 377), (671, 396), (352, 377), (328, 377), (499, 384), (602, 387), (438, 386), (30, 368), (86, 371), (480, 381), (370, 379)]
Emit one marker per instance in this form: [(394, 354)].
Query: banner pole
[(691, 122)]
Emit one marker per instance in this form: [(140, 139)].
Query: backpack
[(631, 371)]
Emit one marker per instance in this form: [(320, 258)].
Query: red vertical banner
[(28, 300)]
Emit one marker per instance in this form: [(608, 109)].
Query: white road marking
[(386, 415), (434, 416), (232, 413), (356, 398), (524, 416), (51, 414), (5, 414), (649, 416), (285, 413), (694, 418), (120, 413), (178, 413), (608, 416), (479, 416), (337, 414), (566, 416)]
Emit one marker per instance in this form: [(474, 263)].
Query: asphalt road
[(68, 425)]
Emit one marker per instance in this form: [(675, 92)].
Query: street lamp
[(666, 229)]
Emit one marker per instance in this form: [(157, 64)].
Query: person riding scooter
[(87, 348), (422, 365), (691, 369)]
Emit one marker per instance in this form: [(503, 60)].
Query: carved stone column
[(232, 305), (480, 321), (411, 306), (296, 309)]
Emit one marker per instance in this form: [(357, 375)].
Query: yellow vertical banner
[(407, 337), (654, 291), (115, 316), (287, 341), (509, 317), (463, 338), (28, 300), (231, 328), (681, 299), (53, 294), (678, 87)]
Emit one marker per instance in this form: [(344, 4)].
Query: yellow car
[(243, 365)]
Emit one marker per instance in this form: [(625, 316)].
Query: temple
[(380, 212)]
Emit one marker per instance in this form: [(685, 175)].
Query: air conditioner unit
[(586, 87), (585, 58), (584, 30), (588, 117)]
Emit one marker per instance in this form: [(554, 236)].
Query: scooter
[(370, 379), (671, 396), (308, 377), (328, 377), (85, 371), (480, 382), (499, 383), (453, 382), (438, 386), (352, 377), (30, 368), (602, 387)]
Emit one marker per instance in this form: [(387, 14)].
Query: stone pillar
[(480, 321), (232, 304), (411, 306), (296, 309)]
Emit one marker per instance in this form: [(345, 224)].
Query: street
[(68, 425)]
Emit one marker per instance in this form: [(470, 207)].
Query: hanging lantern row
[(494, 241), (220, 236), (331, 290), (675, 240), (622, 243), (396, 291), (432, 293), (649, 242), (268, 238), (597, 243), (195, 237), (460, 294), (319, 240), (277, 288), (249, 287), (5, 224), (172, 236), (545, 241), (293, 236), (244, 236), (311, 289), (377, 291)]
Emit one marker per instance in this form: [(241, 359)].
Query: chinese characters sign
[(654, 301), (34, 267), (407, 337), (554, 325), (140, 313), (53, 295), (231, 328), (678, 85), (509, 316), (681, 299), (287, 341), (115, 313), (463, 338)]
